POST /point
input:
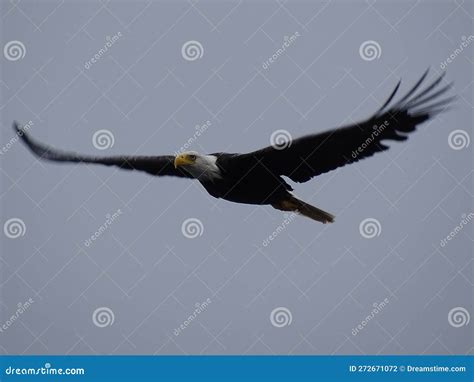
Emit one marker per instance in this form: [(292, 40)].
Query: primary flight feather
[(256, 177)]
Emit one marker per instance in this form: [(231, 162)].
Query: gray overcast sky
[(171, 66)]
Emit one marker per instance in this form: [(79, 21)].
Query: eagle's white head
[(198, 165)]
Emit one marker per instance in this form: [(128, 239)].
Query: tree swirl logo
[(370, 228), (103, 139), (103, 317), (459, 139), (192, 228), (458, 317), (280, 139), (14, 50), (192, 50), (14, 228), (280, 317), (370, 50)]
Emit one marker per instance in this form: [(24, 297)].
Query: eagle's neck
[(205, 168)]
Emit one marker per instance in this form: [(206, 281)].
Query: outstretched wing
[(316, 154), (154, 165)]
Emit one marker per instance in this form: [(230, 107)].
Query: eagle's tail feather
[(291, 203)]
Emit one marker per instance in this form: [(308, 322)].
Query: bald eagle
[(256, 177)]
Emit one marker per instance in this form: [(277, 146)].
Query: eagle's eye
[(192, 157)]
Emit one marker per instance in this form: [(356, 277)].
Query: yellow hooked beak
[(181, 160)]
